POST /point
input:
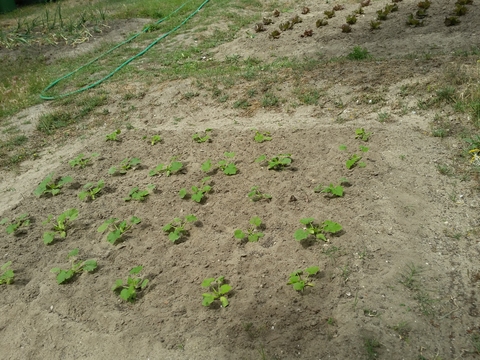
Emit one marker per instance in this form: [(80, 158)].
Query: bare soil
[(403, 274)]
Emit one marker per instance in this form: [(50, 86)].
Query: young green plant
[(127, 290), (117, 228), (50, 186), (317, 231), (253, 234), (198, 192), (228, 168), (21, 221), (218, 291), (278, 162), (90, 190), (113, 136), (257, 195), (331, 189), (261, 137), (172, 168), (299, 278), (7, 276), (201, 138), (125, 165), (362, 134), (64, 276), (353, 161), (82, 161), (177, 228), (155, 139), (139, 195), (59, 226)]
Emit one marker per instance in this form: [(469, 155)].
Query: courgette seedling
[(50, 186), (362, 134), (155, 139), (278, 162), (218, 291), (299, 278), (201, 138), (253, 234), (228, 168), (127, 290), (139, 195), (64, 276), (117, 228), (7, 275), (20, 222), (261, 137), (353, 161), (317, 231), (113, 136), (59, 226), (331, 189), (257, 195), (198, 192), (90, 190), (172, 168), (125, 165), (82, 161), (177, 228)]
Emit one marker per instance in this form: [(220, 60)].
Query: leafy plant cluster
[(127, 290), (252, 234), (313, 230), (64, 276), (20, 222)]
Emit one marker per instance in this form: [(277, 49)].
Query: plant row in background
[(179, 228)]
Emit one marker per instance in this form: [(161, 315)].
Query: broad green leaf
[(136, 270), (128, 294), (206, 166), (118, 284), (144, 284), (174, 236), (6, 265), (307, 221), (256, 221), (207, 299), (321, 237), (255, 236), (182, 193), (225, 288), (106, 224), (112, 170), (4, 221), (261, 158), (363, 148), (230, 169), (54, 270), (207, 282), (74, 252), (337, 190), (294, 278), (135, 220), (191, 218), (331, 226), (239, 234), (167, 227), (89, 265), (48, 237), (224, 301), (299, 285), (197, 196), (82, 195), (175, 166), (361, 164), (134, 161), (55, 192), (342, 147), (12, 228), (312, 270), (72, 214), (113, 236), (301, 234), (65, 180)]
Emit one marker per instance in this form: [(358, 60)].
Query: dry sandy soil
[(400, 281)]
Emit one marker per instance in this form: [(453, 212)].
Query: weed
[(278, 162), (90, 190), (374, 25), (155, 139), (270, 100), (359, 53), (319, 232), (261, 137), (113, 136), (117, 228), (125, 165), (176, 229), (351, 19), (382, 14), (198, 192), (64, 276), (332, 252), (331, 189), (371, 346), (172, 168), (362, 134), (82, 161), (252, 234), (201, 138), (353, 160), (383, 117), (139, 195), (445, 169), (50, 186), (409, 278), (299, 278), (257, 195), (309, 97), (425, 302), (59, 226), (241, 104), (127, 290), (228, 168), (402, 329), (7, 276), (218, 291), (21, 221), (475, 339), (48, 123)]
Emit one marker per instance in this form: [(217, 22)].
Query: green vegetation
[(252, 234), (82, 161), (278, 162), (177, 228), (353, 161), (117, 228), (261, 137), (299, 278), (228, 168), (155, 139), (359, 53), (127, 290), (113, 136), (64, 276), (257, 195), (362, 134), (200, 138), (139, 195), (319, 232), (218, 291), (59, 226), (7, 276), (125, 165), (331, 189), (17, 223), (90, 190), (198, 192), (51, 186), (172, 168)]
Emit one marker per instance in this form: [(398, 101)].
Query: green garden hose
[(92, 85)]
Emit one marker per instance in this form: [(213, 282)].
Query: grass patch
[(359, 53), (49, 123)]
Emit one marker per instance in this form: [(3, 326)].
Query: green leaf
[(4, 221), (197, 197), (144, 284), (48, 237), (118, 284), (255, 236), (74, 252), (113, 236), (89, 265), (230, 169), (239, 234), (299, 285), (352, 161), (128, 294), (167, 227), (337, 190), (135, 220), (312, 270), (54, 270), (342, 147), (174, 236), (224, 301), (261, 158), (206, 166), (182, 193), (331, 226), (12, 228), (225, 288), (207, 299), (307, 221), (207, 282), (191, 218), (175, 166), (301, 234), (363, 148), (256, 221), (106, 224), (136, 270), (65, 180)]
